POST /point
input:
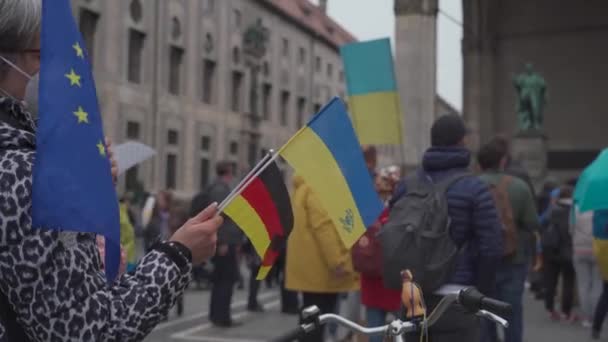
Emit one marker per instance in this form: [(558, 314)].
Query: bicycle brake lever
[(494, 318)]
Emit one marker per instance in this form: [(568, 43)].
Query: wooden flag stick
[(269, 159)]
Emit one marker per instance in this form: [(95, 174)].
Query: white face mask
[(19, 70), (31, 96), (30, 100)]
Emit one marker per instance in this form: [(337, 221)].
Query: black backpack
[(417, 235)]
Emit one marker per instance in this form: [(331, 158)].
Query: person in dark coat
[(474, 224), (225, 262), (558, 255)]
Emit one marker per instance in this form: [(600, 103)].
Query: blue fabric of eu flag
[(72, 183)]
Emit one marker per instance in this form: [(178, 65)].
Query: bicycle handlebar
[(474, 300), (469, 298)]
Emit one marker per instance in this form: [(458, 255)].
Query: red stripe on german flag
[(263, 212)]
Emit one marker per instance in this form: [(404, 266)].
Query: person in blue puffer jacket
[(474, 224)]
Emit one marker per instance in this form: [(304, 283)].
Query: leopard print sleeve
[(52, 279), (53, 282)]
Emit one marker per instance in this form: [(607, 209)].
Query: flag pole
[(261, 162), (253, 174)]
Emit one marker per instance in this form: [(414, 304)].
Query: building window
[(136, 49), (133, 130), (204, 176), (176, 28), (285, 47), (176, 60), (171, 171), (236, 18), (317, 108), (236, 55), (88, 29), (208, 6), (330, 70), (284, 107), (318, 64), (234, 148), (205, 144), (205, 162), (136, 10), (172, 137), (237, 89), (209, 71), (301, 111), (266, 69), (266, 100), (302, 56)]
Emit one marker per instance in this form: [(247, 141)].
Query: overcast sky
[(370, 19)]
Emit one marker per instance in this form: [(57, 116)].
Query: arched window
[(136, 10), (236, 55), (176, 28)]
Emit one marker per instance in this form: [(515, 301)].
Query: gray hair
[(20, 22)]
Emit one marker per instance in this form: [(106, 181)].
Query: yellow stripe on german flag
[(263, 212)]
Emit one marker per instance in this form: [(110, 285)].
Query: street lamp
[(254, 48)]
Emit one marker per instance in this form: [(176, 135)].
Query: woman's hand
[(199, 234), (113, 161)]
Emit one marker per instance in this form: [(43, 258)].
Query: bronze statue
[(531, 99)]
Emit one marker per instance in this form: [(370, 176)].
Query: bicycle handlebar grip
[(496, 307), (474, 300), (291, 335)]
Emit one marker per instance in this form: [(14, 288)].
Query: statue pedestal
[(530, 149)]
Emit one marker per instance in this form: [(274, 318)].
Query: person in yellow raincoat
[(127, 235), (318, 264)]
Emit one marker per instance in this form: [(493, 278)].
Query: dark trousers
[(601, 309), (326, 302), (289, 299), (553, 268), (456, 324), (254, 287), (225, 274), (510, 284)]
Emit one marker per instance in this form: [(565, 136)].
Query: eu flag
[(72, 186)]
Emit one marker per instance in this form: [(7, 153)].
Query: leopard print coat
[(52, 279)]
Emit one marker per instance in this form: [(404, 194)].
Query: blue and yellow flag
[(327, 154), (72, 187), (372, 90)]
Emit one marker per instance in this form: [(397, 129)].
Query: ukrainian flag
[(327, 154), (372, 89), (600, 240)]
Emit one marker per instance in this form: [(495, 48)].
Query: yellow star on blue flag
[(73, 188)]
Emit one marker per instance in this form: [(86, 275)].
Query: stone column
[(478, 50), (416, 62)]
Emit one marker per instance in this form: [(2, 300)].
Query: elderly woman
[(51, 286)]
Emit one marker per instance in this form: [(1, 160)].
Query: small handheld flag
[(327, 154), (262, 209), (72, 186), (372, 89)]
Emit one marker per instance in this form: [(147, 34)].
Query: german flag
[(263, 212)]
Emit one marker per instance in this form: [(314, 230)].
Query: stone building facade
[(175, 75)]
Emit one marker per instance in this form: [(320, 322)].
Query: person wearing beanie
[(474, 225)]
